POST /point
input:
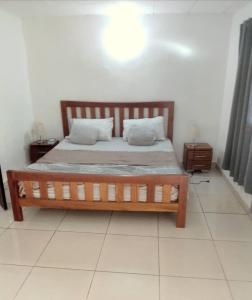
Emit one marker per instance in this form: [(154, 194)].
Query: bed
[(96, 181)]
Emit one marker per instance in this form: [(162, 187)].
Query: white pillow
[(104, 127), (83, 134), (141, 136), (156, 124)]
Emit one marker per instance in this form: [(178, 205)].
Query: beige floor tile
[(129, 254), (216, 186), (40, 219), (11, 279), (56, 284), (22, 247), (230, 227), (176, 288), (241, 290), (6, 218), (118, 286), (193, 203), (134, 223), (236, 259), (72, 250), (2, 230), (196, 226), (86, 221), (189, 258), (221, 204)]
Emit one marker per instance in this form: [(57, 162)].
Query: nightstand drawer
[(202, 155), (201, 165)]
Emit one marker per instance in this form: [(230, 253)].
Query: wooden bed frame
[(120, 111)]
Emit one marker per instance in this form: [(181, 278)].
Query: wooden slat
[(43, 189), (74, 191), (102, 112), (58, 189), (160, 111), (134, 193), (92, 111), (119, 192), (89, 193), (150, 192), (104, 192), (74, 112), (166, 193), (112, 115), (28, 189), (121, 120), (83, 112), (141, 112), (131, 112), (151, 112)]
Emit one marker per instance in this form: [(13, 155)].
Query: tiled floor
[(54, 254)]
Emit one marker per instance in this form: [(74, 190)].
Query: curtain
[(238, 152)]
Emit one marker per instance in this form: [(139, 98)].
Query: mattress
[(117, 145)]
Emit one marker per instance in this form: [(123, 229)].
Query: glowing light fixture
[(124, 37)]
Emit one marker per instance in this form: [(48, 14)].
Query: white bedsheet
[(117, 144)]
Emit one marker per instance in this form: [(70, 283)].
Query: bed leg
[(180, 219), (181, 214), (16, 208)]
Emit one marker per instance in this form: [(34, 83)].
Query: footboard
[(92, 192)]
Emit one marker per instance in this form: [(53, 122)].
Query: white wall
[(15, 99), (242, 15), (66, 61)]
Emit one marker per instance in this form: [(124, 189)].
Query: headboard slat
[(117, 111), (83, 112), (121, 116), (74, 112)]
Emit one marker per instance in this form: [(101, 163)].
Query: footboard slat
[(103, 192), (89, 192), (58, 188), (134, 193), (74, 191), (150, 192), (28, 188), (119, 192), (43, 189), (166, 193)]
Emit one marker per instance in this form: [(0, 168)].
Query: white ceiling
[(100, 7)]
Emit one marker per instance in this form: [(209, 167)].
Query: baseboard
[(247, 208)]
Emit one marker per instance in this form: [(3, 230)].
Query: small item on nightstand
[(197, 156), (40, 148)]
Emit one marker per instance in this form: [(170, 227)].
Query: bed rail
[(36, 192)]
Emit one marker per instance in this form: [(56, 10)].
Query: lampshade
[(194, 132), (38, 131)]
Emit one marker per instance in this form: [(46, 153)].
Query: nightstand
[(39, 149), (197, 156)]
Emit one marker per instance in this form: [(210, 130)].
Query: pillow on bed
[(156, 124), (104, 127), (141, 136), (83, 134)]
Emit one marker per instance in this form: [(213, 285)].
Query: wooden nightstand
[(38, 149), (197, 156)]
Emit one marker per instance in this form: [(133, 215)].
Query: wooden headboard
[(119, 111)]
